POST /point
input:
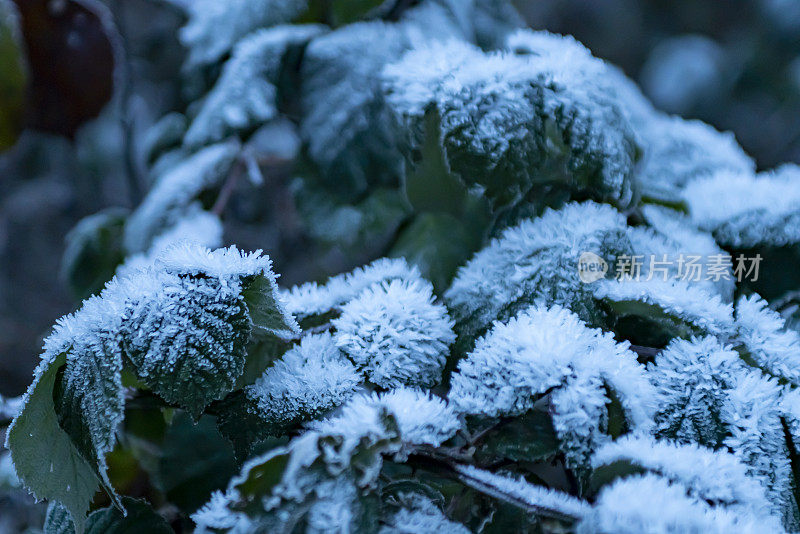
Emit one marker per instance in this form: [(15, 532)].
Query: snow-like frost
[(650, 503), (771, 346), (524, 492), (421, 418), (712, 476), (396, 333), (746, 210), (537, 259), (692, 380), (314, 299), (308, 380), (545, 349)]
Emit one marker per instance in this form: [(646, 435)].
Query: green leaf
[(13, 76), (240, 422), (647, 324), (195, 461), (140, 518), (528, 438), (93, 252), (89, 403), (267, 314), (438, 244), (46, 460)]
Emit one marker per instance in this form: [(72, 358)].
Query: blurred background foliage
[(732, 63)]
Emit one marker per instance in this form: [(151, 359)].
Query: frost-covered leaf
[(518, 125), (93, 252), (67, 424), (766, 342), (538, 259), (171, 195), (678, 151), (245, 96), (519, 492), (351, 134), (14, 77), (551, 351), (715, 477), (692, 379), (140, 517), (187, 339), (251, 273), (418, 515), (651, 312), (187, 329), (312, 299), (745, 210), (396, 333), (650, 503), (35, 435), (309, 380), (213, 28)]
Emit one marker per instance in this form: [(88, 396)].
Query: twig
[(648, 353), (445, 463), (228, 188)]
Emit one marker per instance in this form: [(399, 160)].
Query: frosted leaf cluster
[(396, 333), (180, 327), (714, 477), (357, 404), (550, 351), (520, 119)]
